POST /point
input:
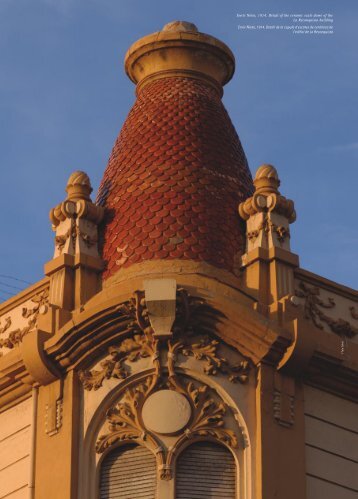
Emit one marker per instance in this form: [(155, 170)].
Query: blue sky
[(64, 96)]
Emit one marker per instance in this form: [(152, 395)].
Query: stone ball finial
[(180, 26), (78, 186), (266, 179)]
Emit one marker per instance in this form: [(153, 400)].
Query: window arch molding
[(90, 462)]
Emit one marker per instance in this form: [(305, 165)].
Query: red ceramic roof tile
[(174, 180)]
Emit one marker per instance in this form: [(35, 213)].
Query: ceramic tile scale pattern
[(174, 179)]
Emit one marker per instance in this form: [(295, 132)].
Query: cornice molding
[(322, 282), (286, 340)]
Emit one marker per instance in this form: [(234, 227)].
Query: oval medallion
[(166, 412)]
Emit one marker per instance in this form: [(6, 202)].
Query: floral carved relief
[(314, 306), (40, 306), (206, 349), (268, 226), (207, 413), (113, 366), (60, 240), (187, 342), (125, 423)]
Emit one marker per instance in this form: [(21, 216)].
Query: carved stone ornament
[(40, 307), (206, 350), (267, 226), (125, 423), (75, 220), (267, 213), (313, 306), (206, 412), (189, 340), (267, 197), (130, 349)]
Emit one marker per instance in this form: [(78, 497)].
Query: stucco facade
[(174, 316)]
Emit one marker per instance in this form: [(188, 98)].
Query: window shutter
[(127, 473), (206, 470)]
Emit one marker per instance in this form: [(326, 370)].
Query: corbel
[(40, 369), (160, 298)]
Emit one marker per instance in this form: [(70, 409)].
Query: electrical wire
[(10, 286), (14, 278)]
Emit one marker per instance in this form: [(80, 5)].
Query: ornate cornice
[(188, 340)]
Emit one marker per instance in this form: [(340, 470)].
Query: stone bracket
[(39, 367), (160, 297)]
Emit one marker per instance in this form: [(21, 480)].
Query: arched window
[(206, 470), (128, 472)]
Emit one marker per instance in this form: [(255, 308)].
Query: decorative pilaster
[(76, 264), (268, 260)]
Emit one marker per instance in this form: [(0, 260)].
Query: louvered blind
[(128, 473), (206, 470)]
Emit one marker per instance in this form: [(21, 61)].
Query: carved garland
[(267, 226), (313, 310), (15, 337), (60, 241), (73, 232)]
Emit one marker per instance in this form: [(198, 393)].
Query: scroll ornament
[(125, 423), (187, 342), (313, 309), (15, 337)]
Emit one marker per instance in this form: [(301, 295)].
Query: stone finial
[(75, 220), (267, 197), (179, 49), (79, 186), (180, 26), (266, 179), (267, 212)]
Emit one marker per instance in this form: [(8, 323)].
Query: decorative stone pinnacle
[(75, 220), (266, 197), (79, 186), (267, 213)]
